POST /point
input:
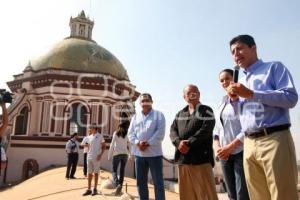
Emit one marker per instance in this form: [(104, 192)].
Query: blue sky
[(163, 44)]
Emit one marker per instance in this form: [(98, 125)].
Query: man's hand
[(217, 147), (239, 90), (224, 153), (183, 146), (143, 145), (130, 157)]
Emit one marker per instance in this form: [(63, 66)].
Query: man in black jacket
[(191, 133)]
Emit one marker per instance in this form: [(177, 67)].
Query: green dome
[(80, 55)]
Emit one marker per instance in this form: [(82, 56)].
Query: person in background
[(146, 133), (228, 142), (267, 93), (3, 158), (84, 144), (3, 126), (191, 133), (119, 152), (72, 149), (4, 123), (96, 146)]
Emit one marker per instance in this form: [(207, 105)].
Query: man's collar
[(186, 108), (253, 67), (147, 113)]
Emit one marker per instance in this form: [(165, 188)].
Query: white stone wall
[(47, 157)]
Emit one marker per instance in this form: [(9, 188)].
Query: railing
[(172, 164)]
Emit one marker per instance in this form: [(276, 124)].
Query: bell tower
[(81, 26)]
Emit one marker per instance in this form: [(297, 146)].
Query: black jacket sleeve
[(174, 135), (206, 116)]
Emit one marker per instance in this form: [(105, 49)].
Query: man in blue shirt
[(145, 133), (267, 91)]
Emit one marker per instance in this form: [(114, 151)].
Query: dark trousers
[(233, 171), (119, 160), (84, 164), (72, 164)]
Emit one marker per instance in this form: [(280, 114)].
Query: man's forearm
[(103, 148)]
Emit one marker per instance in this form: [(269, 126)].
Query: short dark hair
[(93, 125), (73, 135), (147, 95), (246, 39), (229, 71)]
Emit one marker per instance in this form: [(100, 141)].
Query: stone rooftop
[(52, 184)]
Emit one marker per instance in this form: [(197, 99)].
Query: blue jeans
[(142, 166), (119, 160), (234, 176)]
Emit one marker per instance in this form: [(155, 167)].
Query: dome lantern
[(79, 53), (81, 26)]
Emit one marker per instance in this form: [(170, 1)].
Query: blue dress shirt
[(274, 94), (150, 128)]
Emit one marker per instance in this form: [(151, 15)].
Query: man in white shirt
[(96, 146)]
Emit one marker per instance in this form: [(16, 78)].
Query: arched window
[(78, 119), (21, 122), (52, 117)]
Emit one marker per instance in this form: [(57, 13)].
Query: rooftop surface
[(52, 184)]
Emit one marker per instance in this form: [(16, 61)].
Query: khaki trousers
[(196, 182), (270, 167)]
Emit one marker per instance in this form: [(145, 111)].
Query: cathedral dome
[(80, 53)]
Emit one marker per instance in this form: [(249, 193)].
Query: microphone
[(236, 74)]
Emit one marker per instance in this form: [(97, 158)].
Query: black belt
[(267, 131)]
